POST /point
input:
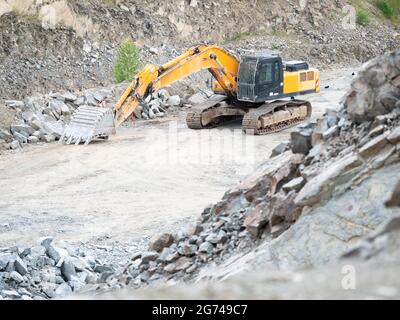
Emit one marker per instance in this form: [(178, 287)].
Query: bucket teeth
[(88, 124)]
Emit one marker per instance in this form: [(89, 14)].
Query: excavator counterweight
[(246, 85)]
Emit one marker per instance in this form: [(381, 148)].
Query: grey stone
[(331, 132), (6, 259), (35, 124), (301, 141), (15, 145), (79, 264), (321, 186), (377, 131), (388, 100), (14, 275), (20, 137), (49, 289), (331, 117), (33, 139), (294, 184), (280, 148), (153, 50), (20, 266), (65, 110), (12, 294), (394, 136), (5, 135), (55, 252), (174, 101), (25, 252), (206, 247), (76, 284), (63, 290), (103, 268), (68, 269), (28, 115), (69, 97), (57, 106), (164, 254), (23, 291), (14, 104), (80, 101), (90, 100), (149, 256), (187, 249), (216, 237), (151, 114), (48, 138)]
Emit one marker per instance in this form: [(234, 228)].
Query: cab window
[(303, 76), (266, 73)]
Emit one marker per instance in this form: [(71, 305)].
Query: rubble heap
[(43, 118)]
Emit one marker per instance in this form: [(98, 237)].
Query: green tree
[(386, 8), (127, 62), (362, 17)]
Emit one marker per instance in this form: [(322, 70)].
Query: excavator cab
[(260, 78)]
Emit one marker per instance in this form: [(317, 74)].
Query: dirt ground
[(154, 176)]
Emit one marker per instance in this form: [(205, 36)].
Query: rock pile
[(156, 105), (52, 269), (322, 159), (43, 118)]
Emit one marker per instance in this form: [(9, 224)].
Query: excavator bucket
[(88, 124)]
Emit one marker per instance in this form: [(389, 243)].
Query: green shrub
[(386, 8), (362, 17), (127, 62)]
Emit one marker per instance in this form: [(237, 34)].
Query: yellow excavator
[(251, 88)]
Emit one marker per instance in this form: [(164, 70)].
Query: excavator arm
[(89, 123)]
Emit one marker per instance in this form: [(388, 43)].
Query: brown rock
[(373, 147), (283, 208), (257, 219), (320, 187), (294, 184), (266, 178), (377, 131), (394, 136), (161, 241), (182, 263)]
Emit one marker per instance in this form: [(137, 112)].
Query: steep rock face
[(376, 90)]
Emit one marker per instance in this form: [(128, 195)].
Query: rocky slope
[(70, 46), (329, 194)]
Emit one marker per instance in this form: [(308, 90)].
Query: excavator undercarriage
[(267, 118)]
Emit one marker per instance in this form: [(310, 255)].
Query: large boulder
[(376, 90)]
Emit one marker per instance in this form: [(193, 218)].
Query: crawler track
[(212, 113), (252, 123)]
